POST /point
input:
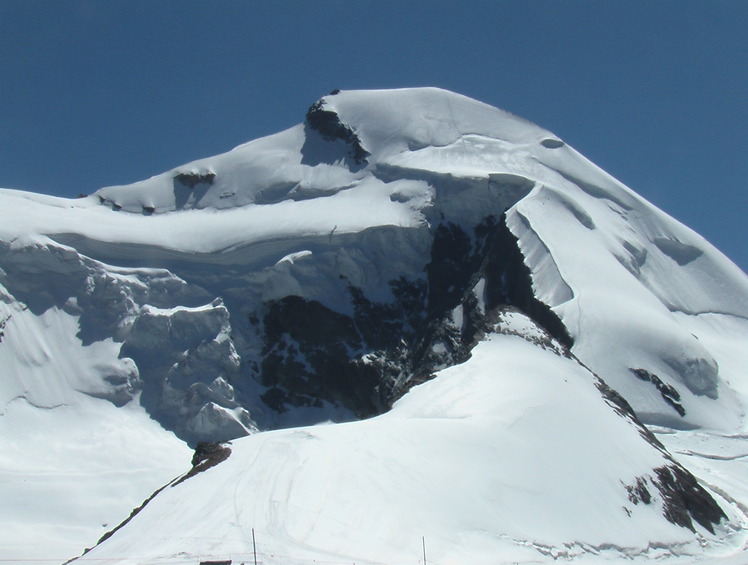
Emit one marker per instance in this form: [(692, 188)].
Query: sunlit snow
[(510, 457)]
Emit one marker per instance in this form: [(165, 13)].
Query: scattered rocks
[(638, 492), (686, 500), (669, 394), (3, 321)]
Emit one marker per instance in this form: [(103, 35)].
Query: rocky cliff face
[(370, 358)]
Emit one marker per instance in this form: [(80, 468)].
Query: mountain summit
[(496, 326)]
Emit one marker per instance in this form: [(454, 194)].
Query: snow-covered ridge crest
[(393, 239), (390, 122), (299, 163)]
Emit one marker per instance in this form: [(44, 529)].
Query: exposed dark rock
[(669, 394), (509, 281), (367, 360), (121, 525), (310, 356), (206, 455), (3, 321), (638, 492), (540, 337), (211, 452), (329, 125), (621, 405), (685, 499), (453, 264), (276, 398), (623, 408), (191, 180)]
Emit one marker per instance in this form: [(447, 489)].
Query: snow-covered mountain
[(491, 319)]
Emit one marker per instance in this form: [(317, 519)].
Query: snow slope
[(70, 463), (320, 273), (516, 461)]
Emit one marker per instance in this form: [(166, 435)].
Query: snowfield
[(489, 462), (453, 286)]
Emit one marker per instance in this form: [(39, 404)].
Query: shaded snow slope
[(70, 463), (320, 273)]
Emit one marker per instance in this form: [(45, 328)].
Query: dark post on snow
[(254, 546)]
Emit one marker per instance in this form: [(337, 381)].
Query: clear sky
[(95, 93)]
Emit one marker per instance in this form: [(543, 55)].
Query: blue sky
[(95, 93)]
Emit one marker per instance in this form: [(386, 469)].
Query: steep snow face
[(320, 273), (637, 291)]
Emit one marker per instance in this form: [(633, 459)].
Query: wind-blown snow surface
[(139, 301)]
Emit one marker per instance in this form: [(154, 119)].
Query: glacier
[(414, 317)]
